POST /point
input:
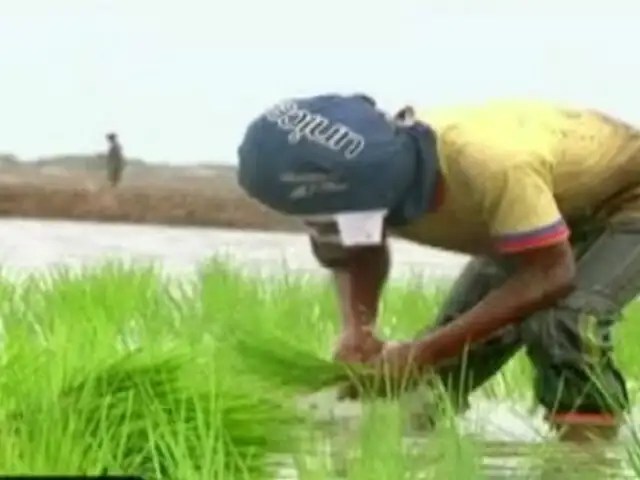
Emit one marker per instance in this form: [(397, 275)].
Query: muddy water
[(507, 430), (25, 245)]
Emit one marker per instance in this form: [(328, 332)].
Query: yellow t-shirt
[(516, 175)]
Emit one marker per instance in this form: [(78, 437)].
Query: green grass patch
[(119, 369)]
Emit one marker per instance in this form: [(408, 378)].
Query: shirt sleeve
[(519, 207)]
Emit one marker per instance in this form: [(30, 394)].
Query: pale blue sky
[(179, 80)]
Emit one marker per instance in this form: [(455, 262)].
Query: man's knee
[(570, 348), (577, 330), (570, 345)]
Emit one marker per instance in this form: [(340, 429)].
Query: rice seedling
[(80, 397)]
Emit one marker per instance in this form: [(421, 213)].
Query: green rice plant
[(77, 399), (140, 414), (121, 368), (287, 341), (279, 361)]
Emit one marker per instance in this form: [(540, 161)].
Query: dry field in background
[(189, 196)]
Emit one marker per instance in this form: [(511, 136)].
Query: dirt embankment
[(188, 196)]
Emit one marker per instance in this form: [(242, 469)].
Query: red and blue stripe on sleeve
[(540, 237)]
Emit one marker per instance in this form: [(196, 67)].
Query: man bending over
[(545, 199)]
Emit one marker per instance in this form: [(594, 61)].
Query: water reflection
[(27, 244), (510, 441)]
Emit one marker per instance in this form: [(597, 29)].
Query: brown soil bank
[(137, 204)]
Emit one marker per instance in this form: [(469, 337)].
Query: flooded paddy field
[(60, 328)]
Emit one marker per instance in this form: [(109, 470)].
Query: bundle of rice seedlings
[(274, 358), (147, 415)]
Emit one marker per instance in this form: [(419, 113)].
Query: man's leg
[(570, 345), (460, 376), (118, 174), (111, 175)]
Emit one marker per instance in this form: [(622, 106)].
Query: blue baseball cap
[(329, 154)]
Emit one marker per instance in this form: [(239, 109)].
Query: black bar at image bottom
[(70, 477)]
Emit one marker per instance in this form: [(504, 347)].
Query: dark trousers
[(569, 345), (114, 173)]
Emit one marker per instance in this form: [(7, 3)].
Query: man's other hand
[(358, 345), (392, 369)]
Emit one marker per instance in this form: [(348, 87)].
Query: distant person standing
[(115, 160)]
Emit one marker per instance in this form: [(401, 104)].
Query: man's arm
[(360, 274), (517, 202), (544, 276)]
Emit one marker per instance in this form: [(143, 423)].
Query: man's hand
[(393, 369), (396, 360), (358, 345)]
